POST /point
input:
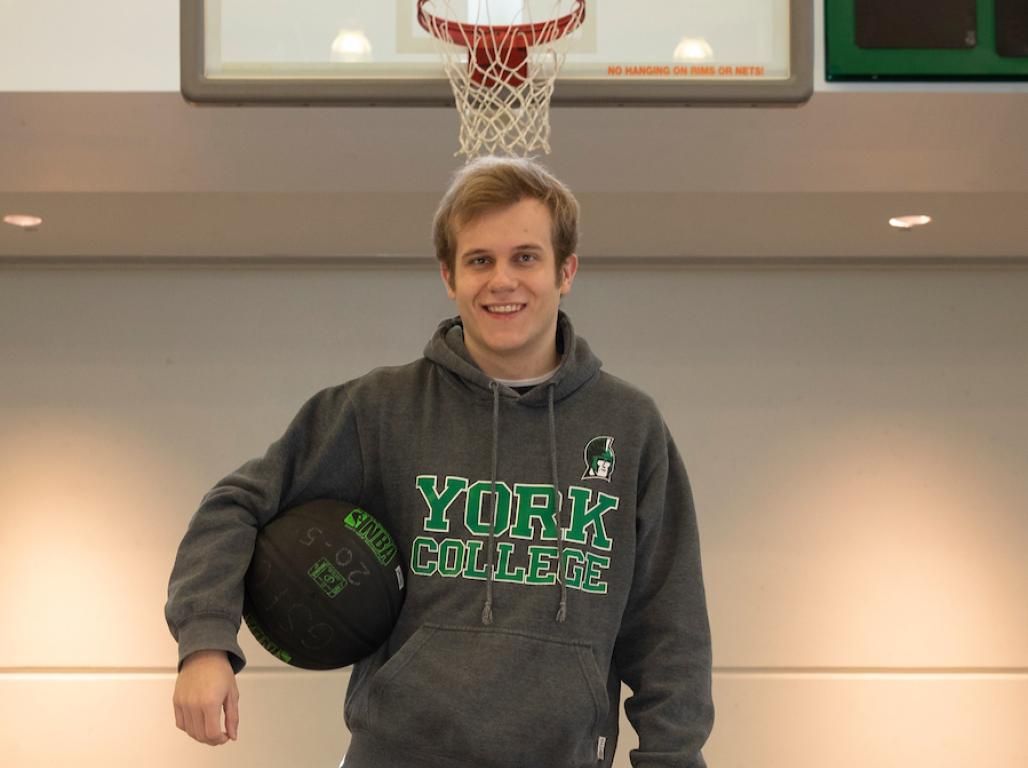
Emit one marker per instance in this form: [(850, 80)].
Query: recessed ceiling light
[(23, 220), (693, 49), (351, 45), (909, 222)]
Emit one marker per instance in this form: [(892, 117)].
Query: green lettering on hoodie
[(437, 502)]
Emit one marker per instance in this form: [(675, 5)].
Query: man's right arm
[(319, 456)]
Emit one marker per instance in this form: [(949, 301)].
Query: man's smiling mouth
[(503, 309)]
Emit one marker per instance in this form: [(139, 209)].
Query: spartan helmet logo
[(599, 458)]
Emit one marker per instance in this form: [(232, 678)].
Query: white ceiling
[(147, 176)]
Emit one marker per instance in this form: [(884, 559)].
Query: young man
[(540, 503)]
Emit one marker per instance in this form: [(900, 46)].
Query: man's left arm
[(663, 650)]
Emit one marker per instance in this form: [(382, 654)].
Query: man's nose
[(503, 278)]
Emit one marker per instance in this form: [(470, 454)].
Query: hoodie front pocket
[(491, 697)]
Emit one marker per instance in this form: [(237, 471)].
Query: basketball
[(324, 586)]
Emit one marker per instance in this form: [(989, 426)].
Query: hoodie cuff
[(211, 633)]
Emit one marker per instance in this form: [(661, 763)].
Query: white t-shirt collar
[(515, 383)]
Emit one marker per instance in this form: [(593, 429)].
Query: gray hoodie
[(496, 660)]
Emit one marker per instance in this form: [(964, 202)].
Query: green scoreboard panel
[(926, 39)]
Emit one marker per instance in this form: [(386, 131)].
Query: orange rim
[(516, 36)]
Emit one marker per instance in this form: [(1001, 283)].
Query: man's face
[(507, 290)]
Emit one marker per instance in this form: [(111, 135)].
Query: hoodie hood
[(578, 364)]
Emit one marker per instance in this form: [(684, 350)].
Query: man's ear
[(447, 276), (568, 270)]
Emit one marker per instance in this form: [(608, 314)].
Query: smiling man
[(507, 282), (541, 506)]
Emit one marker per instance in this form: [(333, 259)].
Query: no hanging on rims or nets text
[(683, 70)]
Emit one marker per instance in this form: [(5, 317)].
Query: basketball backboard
[(375, 52)]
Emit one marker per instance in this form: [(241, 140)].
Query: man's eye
[(526, 257)]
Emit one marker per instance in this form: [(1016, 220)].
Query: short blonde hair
[(489, 183)]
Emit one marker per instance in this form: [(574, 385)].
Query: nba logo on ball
[(325, 585)]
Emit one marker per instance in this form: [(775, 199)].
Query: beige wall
[(856, 441)]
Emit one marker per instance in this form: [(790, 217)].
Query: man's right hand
[(205, 686)]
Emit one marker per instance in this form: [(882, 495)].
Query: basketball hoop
[(502, 75)]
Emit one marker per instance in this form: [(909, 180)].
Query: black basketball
[(325, 585)]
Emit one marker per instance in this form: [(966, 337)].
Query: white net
[(502, 65)]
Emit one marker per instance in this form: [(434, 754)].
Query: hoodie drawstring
[(487, 609), (562, 612)]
